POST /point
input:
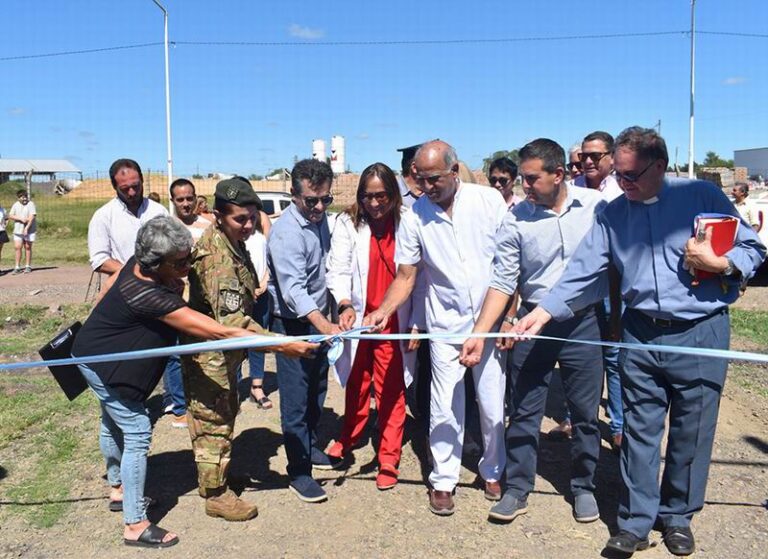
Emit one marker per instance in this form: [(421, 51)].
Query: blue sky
[(248, 109)]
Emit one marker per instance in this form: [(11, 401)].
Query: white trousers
[(447, 405)]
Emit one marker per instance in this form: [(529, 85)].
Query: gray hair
[(159, 238), (575, 148)]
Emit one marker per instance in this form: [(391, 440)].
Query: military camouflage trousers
[(210, 385)]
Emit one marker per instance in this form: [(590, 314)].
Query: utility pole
[(691, 174)]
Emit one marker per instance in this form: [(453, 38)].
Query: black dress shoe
[(679, 540), (627, 542)]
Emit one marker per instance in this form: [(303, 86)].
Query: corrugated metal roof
[(37, 166)]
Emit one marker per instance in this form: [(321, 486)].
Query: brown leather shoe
[(230, 507), (441, 502), (493, 490)]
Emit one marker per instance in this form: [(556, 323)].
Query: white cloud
[(304, 32), (363, 136), (16, 111), (734, 80)]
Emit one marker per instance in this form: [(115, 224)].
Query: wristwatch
[(729, 269), (510, 319)]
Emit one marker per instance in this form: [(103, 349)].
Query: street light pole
[(167, 105), (691, 174)]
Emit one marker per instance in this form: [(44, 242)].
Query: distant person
[(452, 230), (502, 175), (24, 214), (3, 233), (182, 193), (574, 163), (409, 190), (113, 227), (747, 209), (154, 196), (202, 208)]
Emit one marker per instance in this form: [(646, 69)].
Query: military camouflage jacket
[(222, 280)]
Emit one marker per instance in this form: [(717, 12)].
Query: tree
[(714, 160), (255, 177), (512, 154)]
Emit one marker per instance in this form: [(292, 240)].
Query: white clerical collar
[(650, 201)]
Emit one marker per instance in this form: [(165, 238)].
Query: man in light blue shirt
[(647, 235), (535, 242), (296, 249)]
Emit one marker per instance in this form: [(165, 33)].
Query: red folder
[(724, 229)]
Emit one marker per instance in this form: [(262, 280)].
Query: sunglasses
[(595, 156), (180, 263), (502, 181), (632, 177), (380, 197), (575, 164), (312, 201)]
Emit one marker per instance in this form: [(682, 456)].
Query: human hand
[(298, 349), (347, 318), (377, 320), (532, 323), (413, 343), (505, 342), (700, 255), (471, 352)]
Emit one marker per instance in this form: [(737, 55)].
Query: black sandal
[(152, 537), (117, 506), (263, 403)]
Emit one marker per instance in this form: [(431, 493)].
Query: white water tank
[(318, 150), (338, 154)]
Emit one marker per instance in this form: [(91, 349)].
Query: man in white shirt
[(746, 208), (597, 165), (113, 227), (451, 232), (184, 200)]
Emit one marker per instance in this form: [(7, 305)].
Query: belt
[(675, 322)]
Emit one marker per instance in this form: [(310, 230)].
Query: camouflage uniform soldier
[(221, 285)]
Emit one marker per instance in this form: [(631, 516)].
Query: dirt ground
[(358, 520)]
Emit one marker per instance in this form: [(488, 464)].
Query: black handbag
[(69, 377)]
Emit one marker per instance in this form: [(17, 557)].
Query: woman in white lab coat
[(361, 267)]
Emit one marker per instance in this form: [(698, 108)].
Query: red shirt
[(381, 268)]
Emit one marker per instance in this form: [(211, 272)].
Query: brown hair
[(357, 211)]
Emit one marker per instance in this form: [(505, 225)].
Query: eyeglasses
[(180, 263), (595, 156), (575, 164), (312, 201), (502, 181), (631, 177), (431, 179), (380, 197)]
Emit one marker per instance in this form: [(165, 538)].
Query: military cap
[(237, 191)]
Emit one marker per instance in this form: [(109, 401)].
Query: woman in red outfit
[(361, 266)]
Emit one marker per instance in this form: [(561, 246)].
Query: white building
[(755, 160)]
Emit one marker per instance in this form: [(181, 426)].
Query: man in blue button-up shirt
[(647, 235), (297, 247)]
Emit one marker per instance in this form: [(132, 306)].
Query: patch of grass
[(40, 429), (752, 325), (26, 328)]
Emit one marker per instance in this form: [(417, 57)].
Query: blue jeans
[(260, 313), (612, 375), (173, 386), (124, 441), (303, 384)]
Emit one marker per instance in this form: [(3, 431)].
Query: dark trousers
[(688, 388), (581, 368), (303, 384)]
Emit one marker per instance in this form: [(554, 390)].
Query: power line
[(412, 42), (73, 52)]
